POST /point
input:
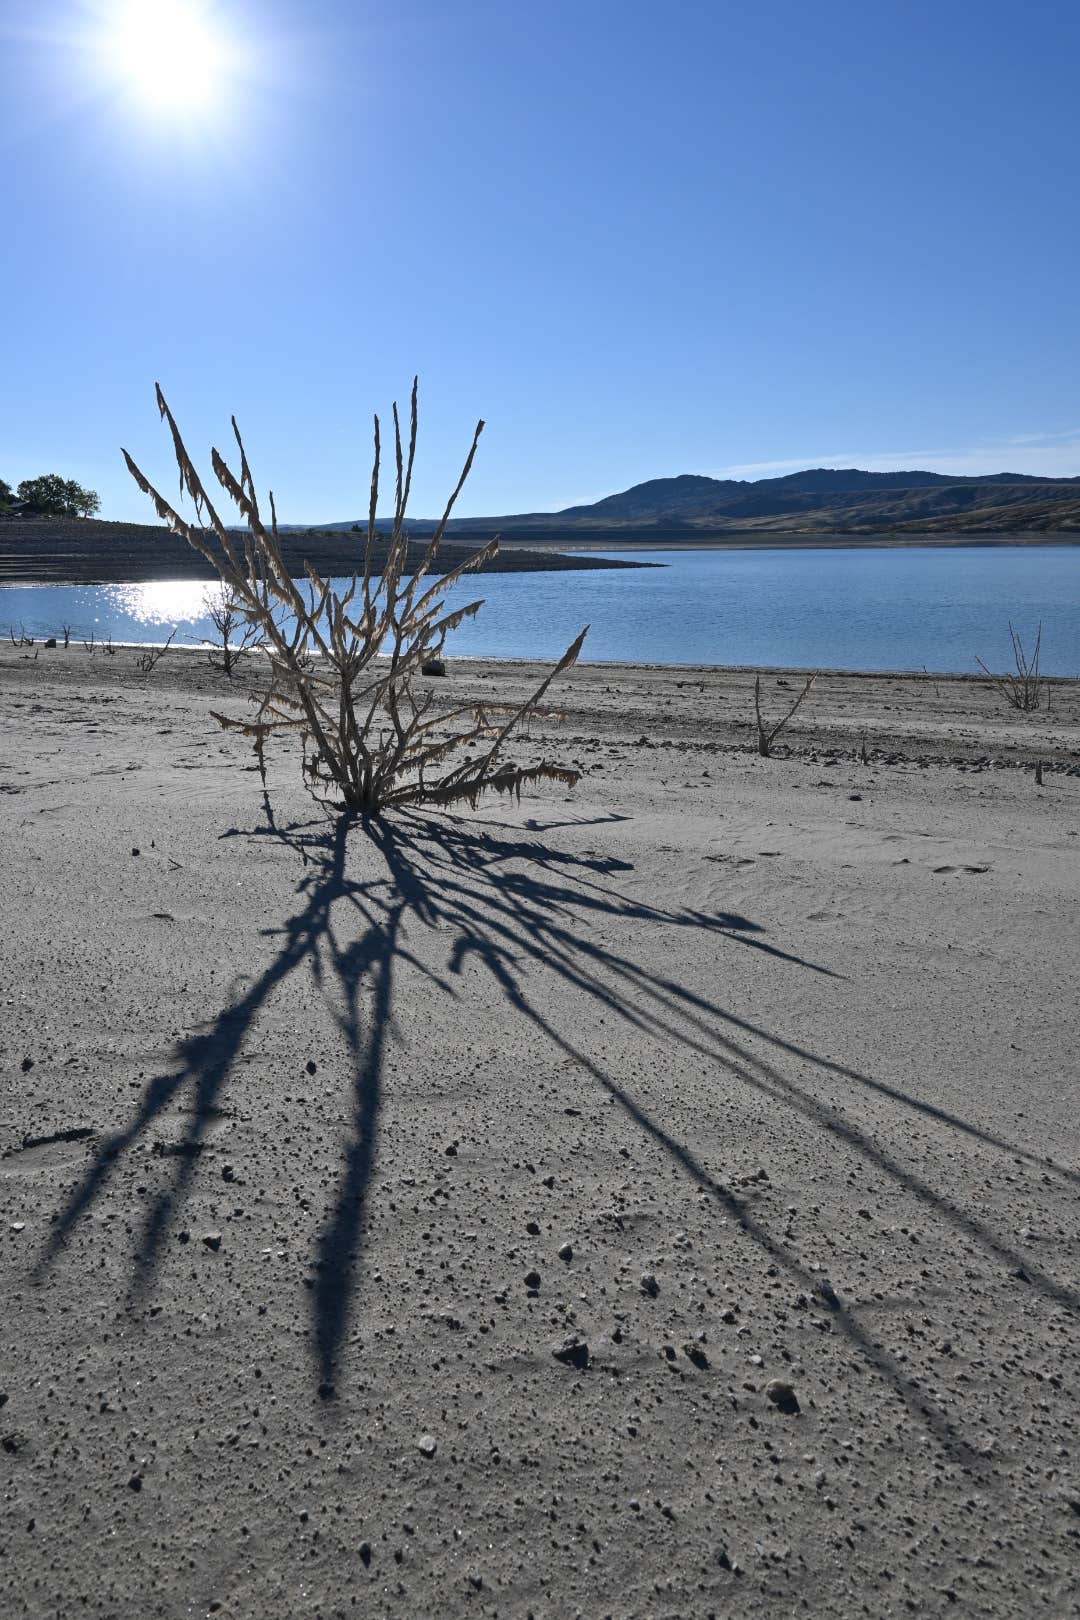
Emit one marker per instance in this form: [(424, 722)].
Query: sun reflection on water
[(161, 601)]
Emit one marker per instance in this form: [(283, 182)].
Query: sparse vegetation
[(766, 734), (343, 664), (1023, 688)]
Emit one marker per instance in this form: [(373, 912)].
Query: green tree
[(58, 497), (7, 494)]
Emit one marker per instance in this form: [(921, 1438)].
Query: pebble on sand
[(573, 1352), (782, 1395)]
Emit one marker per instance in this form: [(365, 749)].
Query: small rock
[(136, 850), (18, 1226), (364, 1550), (649, 1284), (433, 666), (135, 1482), (427, 1445), (694, 1353), (212, 1240), (311, 1066), (573, 1352), (533, 1228), (51, 642), (450, 1150), (27, 1064), (532, 1279), (782, 1395), (566, 1251)]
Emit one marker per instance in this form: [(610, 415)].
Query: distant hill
[(820, 500)]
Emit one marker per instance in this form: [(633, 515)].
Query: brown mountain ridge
[(822, 500)]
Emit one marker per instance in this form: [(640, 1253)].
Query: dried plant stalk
[(342, 663)]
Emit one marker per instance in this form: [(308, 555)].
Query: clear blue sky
[(639, 239)]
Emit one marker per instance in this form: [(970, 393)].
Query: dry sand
[(717, 1070)]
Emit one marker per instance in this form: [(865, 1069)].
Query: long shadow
[(506, 898)]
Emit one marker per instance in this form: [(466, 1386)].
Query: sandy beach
[(657, 1198)]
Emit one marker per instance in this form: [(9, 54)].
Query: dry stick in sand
[(765, 736), (365, 732)]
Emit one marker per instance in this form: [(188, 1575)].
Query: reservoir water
[(883, 608)]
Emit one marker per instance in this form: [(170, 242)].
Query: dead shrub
[(236, 636), (343, 663), (1025, 688), (149, 660)]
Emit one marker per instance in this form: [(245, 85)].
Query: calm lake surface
[(925, 607)]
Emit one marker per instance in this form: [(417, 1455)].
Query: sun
[(168, 51)]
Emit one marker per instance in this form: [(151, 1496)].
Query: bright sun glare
[(168, 51)]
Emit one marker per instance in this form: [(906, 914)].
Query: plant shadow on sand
[(503, 896)]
